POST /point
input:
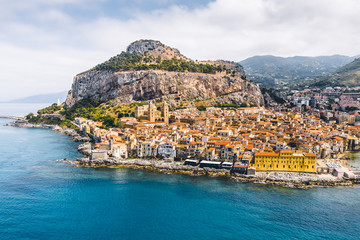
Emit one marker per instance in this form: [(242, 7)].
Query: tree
[(244, 104), (29, 116), (201, 108)]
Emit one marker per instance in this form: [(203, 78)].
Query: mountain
[(150, 70), (42, 98), (271, 70), (348, 75)]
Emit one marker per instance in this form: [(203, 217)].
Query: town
[(336, 104), (245, 140)]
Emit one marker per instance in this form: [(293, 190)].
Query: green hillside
[(270, 71), (348, 75)]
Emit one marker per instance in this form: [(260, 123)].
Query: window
[(277, 166), (283, 166)]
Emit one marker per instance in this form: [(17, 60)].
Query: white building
[(166, 150), (119, 150)]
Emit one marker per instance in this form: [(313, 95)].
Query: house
[(166, 150), (119, 150), (240, 168), (99, 154)]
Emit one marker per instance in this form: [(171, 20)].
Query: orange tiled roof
[(267, 154)]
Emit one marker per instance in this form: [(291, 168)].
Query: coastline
[(281, 179), (67, 131), (296, 180)]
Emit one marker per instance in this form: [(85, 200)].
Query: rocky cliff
[(150, 70)]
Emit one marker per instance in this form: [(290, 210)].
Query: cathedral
[(150, 112)]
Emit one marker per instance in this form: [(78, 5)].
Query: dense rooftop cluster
[(224, 135)]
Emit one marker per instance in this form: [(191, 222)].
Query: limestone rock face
[(162, 85), (156, 48), (144, 85)]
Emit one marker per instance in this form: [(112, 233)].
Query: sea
[(43, 197)]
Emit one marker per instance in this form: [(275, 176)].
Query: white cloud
[(43, 46)]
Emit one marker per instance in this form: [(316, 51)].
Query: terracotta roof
[(267, 154), (240, 166), (286, 151)]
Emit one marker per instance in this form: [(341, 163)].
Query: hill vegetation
[(346, 76), (127, 61), (96, 110), (270, 71)]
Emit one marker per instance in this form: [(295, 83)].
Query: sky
[(45, 43)]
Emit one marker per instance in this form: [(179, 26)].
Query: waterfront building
[(240, 168), (119, 150), (99, 154), (284, 161), (166, 150)]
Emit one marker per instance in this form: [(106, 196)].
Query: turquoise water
[(42, 198)]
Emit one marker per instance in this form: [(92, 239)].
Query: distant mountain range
[(270, 71), (42, 98), (348, 75)]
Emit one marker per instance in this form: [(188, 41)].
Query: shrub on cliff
[(126, 61), (49, 110), (86, 108)]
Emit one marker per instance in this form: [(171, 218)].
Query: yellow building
[(287, 161)]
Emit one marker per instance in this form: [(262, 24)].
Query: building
[(146, 149), (166, 150), (99, 154), (210, 164), (239, 168), (119, 150), (150, 112), (284, 161)]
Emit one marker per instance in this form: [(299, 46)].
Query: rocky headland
[(149, 70)]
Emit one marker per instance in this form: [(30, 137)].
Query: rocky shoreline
[(281, 179), (75, 136)]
